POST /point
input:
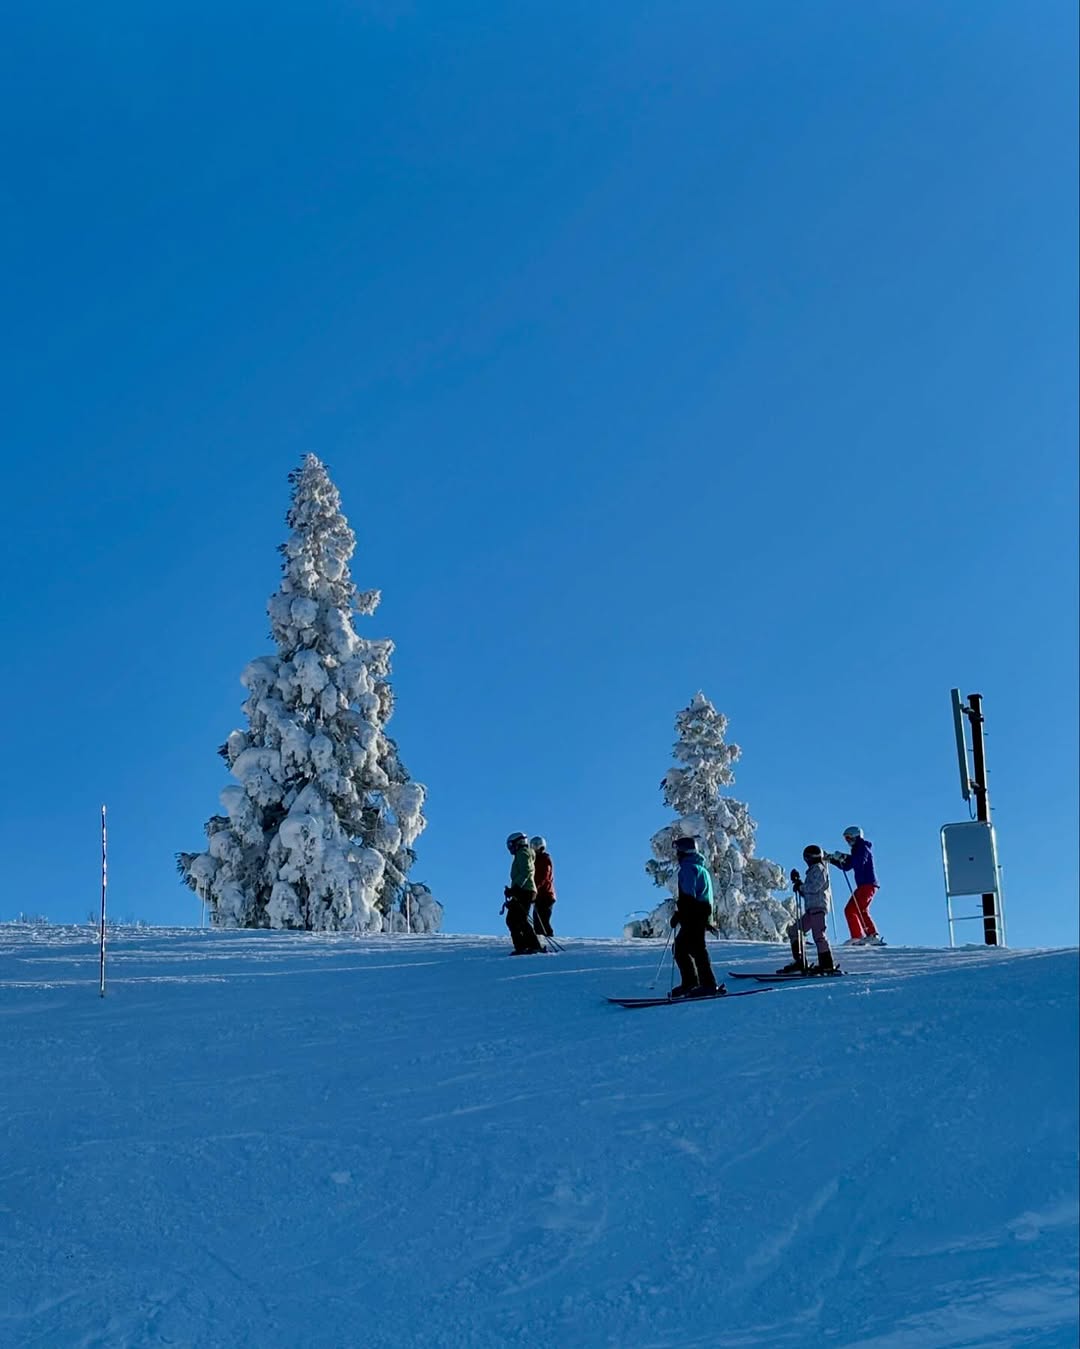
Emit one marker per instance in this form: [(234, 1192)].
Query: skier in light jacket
[(520, 894), (693, 914), (813, 892)]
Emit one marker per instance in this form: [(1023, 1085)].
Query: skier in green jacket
[(520, 895)]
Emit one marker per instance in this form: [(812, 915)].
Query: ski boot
[(796, 967), (680, 991), (825, 964)]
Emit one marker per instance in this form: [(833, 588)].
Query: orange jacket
[(545, 877)]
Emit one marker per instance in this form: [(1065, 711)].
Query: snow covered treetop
[(321, 819), (707, 759), (743, 884), (317, 554)]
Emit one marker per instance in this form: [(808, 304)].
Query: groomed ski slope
[(272, 1140)]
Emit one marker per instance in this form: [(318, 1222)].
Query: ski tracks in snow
[(418, 1143)]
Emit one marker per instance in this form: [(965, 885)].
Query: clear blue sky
[(653, 347)]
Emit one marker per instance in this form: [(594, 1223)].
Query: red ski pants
[(857, 911)]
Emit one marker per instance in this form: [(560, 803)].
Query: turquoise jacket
[(695, 889)]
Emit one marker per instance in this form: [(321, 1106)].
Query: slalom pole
[(104, 883)]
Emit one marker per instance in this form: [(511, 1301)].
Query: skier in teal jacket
[(693, 915)]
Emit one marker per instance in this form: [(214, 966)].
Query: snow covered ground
[(269, 1139)]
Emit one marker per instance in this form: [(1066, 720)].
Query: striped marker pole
[(104, 883)]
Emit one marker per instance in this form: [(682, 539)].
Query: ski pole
[(663, 954), (832, 919), (800, 935), (851, 892)]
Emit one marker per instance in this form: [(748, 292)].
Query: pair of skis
[(778, 977), (668, 1001), (761, 977)]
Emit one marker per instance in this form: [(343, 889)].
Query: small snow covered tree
[(319, 826), (744, 905)]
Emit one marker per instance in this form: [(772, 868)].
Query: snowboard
[(675, 1002)]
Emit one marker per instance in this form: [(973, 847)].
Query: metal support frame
[(975, 784), (990, 876)]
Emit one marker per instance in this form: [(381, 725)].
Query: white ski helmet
[(853, 831), (538, 844), (514, 841)]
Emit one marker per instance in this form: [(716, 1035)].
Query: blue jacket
[(695, 889), (861, 861)]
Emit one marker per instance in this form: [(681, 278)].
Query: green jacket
[(522, 880)]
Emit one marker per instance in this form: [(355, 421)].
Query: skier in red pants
[(860, 860)]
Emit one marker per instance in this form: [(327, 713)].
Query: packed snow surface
[(280, 1139)]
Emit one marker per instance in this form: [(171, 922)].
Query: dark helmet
[(685, 845), (515, 841), (812, 853)]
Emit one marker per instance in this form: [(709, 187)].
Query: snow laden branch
[(319, 825), (744, 905)]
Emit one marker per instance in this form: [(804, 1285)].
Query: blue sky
[(653, 347)]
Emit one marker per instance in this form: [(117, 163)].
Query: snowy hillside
[(271, 1139)]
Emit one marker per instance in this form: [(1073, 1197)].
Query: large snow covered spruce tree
[(744, 905), (319, 826)]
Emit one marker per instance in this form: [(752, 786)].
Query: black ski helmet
[(812, 853), (685, 845)]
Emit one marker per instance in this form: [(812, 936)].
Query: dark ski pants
[(521, 930), (542, 916), (695, 967)]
